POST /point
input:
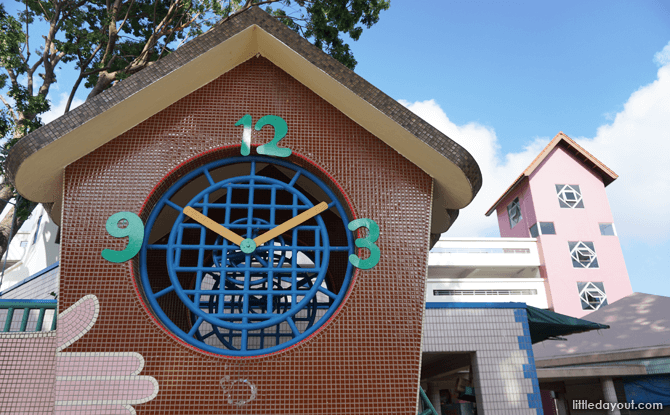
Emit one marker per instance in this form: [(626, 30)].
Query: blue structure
[(494, 340), (245, 303)]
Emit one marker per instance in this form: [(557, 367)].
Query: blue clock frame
[(248, 304)]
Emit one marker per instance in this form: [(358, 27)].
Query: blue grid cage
[(212, 295)]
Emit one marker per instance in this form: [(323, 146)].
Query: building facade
[(560, 199), (35, 247), (245, 229), (475, 330), (248, 231)]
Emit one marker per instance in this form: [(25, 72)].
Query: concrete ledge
[(440, 304), (589, 372), (646, 353)]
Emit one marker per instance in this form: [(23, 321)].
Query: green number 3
[(367, 242), (134, 231)]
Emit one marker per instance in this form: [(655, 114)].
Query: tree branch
[(72, 92), (44, 89), (27, 37), (260, 3), (49, 56), (141, 60), (37, 64), (112, 32), (125, 18), (12, 76), (46, 15), (9, 107)]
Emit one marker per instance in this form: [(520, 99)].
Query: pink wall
[(35, 377), (560, 167), (27, 372), (521, 229)]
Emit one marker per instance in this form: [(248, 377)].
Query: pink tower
[(560, 199)]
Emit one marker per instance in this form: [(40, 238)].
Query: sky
[(501, 78)]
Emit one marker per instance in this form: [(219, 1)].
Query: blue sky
[(502, 78)]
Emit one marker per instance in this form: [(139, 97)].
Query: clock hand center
[(248, 246), (291, 223), (213, 226)]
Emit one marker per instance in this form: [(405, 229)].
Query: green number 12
[(268, 149)]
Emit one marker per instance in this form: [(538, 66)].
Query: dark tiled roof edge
[(221, 32)]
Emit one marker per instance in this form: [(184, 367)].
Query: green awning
[(545, 324)]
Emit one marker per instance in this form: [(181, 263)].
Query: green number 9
[(134, 231), (367, 242)]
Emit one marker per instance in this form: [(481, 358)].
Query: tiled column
[(434, 396), (561, 404), (505, 377), (609, 393), (478, 384)]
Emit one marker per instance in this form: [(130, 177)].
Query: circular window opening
[(221, 296)]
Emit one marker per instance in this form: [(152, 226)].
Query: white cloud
[(498, 171), (662, 58), (58, 107), (636, 145)]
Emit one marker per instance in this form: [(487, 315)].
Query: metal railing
[(425, 404), (28, 306)]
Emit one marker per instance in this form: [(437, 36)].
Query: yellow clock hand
[(291, 223), (213, 226)]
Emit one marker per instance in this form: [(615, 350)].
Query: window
[(514, 212), (545, 228), (569, 196), (607, 229), (486, 292), (37, 230), (583, 255), (592, 295)]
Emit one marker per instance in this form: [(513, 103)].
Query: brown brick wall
[(365, 361)]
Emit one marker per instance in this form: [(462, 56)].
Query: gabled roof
[(35, 164), (639, 327), (567, 143)]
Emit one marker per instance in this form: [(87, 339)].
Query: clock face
[(247, 256)]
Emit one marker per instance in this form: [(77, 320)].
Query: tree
[(106, 41)]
